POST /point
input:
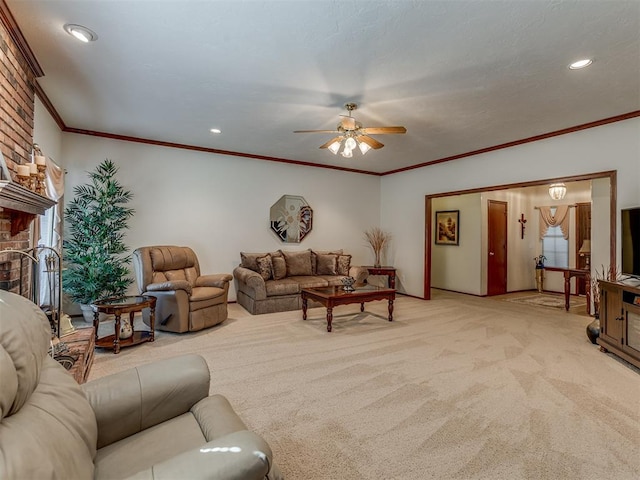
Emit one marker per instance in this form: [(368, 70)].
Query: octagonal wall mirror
[(291, 218)]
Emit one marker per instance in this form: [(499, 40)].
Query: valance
[(559, 218)]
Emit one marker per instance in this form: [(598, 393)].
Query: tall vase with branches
[(611, 274), (94, 250), (378, 240)]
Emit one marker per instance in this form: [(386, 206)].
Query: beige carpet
[(457, 387)]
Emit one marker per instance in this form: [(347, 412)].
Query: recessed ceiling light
[(581, 64), (215, 130), (81, 33)]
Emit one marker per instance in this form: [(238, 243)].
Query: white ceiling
[(459, 75)]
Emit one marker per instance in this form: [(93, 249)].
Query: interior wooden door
[(583, 232), (497, 251)]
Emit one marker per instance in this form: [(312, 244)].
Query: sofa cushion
[(298, 263), (314, 257), (279, 268), (265, 267), (309, 281), (250, 260), (326, 264), (286, 286), (344, 262)]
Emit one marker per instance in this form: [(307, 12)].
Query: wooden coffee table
[(333, 296)]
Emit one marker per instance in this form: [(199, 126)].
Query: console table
[(574, 272), (390, 272)]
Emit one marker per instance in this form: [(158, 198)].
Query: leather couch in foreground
[(271, 282), (155, 421)]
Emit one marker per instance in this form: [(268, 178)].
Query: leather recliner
[(156, 421), (187, 300)]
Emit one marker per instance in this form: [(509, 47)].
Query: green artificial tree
[(94, 250)]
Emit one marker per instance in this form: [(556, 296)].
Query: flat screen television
[(630, 226)]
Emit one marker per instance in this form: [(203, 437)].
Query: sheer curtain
[(49, 234), (558, 218)]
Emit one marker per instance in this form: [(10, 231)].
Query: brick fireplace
[(18, 205)]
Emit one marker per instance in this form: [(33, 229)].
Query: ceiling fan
[(352, 134)]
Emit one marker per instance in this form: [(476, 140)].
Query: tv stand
[(620, 320)]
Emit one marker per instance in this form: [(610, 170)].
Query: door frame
[(428, 213)]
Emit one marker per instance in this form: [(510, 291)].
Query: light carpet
[(458, 387)]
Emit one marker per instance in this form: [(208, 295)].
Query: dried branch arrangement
[(378, 239)]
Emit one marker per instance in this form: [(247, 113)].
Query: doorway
[(604, 233), (497, 251)]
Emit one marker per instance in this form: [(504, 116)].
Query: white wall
[(458, 267), (219, 205), (46, 132), (609, 147)]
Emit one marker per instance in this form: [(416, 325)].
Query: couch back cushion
[(47, 427), (298, 263), (250, 260)]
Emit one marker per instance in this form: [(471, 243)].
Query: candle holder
[(40, 188), (25, 181), (33, 181)]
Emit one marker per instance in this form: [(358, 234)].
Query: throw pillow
[(344, 263), (298, 263), (250, 260), (279, 267), (314, 257), (326, 264), (265, 267)]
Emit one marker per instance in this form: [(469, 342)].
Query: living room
[(472, 373)]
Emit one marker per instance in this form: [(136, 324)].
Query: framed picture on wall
[(448, 227)]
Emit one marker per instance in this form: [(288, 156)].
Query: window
[(555, 248)]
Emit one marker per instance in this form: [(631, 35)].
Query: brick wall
[(17, 96)]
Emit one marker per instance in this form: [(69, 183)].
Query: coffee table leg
[(329, 318), (390, 310), (304, 308), (362, 307), (116, 338), (96, 322)]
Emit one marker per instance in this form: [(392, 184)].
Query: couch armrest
[(250, 282), (170, 285), (220, 280), (128, 402), (240, 455)]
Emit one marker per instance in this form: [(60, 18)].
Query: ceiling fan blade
[(315, 131), (348, 123), (382, 130), (326, 145), (372, 142)]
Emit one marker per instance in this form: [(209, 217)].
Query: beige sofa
[(271, 282), (156, 421)]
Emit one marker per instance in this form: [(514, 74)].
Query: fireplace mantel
[(22, 205)]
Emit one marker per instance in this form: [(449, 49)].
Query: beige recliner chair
[(187, 300), (153, 422)]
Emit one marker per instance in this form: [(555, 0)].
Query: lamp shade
[(585, 249), (557, 191)]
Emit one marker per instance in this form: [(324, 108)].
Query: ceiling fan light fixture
[(80, 32), (557, 191), (334, 147), (364, 148), (347, 153), (349, 144)]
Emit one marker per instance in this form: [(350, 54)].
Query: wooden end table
[(117, 307), (333, 296), (390, 272)]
